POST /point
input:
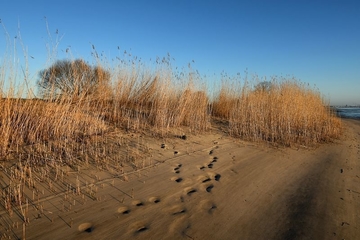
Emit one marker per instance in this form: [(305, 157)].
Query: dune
[(207, 186)]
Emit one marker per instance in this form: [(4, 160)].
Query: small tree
[(71, 79), (264, 86)]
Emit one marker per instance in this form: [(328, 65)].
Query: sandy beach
[(207, 186), (146, 120)]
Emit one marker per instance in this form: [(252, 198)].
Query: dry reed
[(288, 113), (137, 98)]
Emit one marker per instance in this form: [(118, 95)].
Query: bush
[(71, 79)]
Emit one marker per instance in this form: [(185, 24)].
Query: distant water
[(349, 112)]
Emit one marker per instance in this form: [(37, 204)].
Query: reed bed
[(159, 102), (288, 113), (33, 121), (131, 97)]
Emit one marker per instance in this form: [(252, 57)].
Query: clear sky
[(317, 42)]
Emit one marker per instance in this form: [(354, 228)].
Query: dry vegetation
[(38, 137), (289, 112)]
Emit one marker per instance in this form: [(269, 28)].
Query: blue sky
[(317, 42)]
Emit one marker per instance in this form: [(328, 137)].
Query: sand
[(207, 186)]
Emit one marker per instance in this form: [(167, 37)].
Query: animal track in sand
[(123, 210), (154, 199), (86, 227), (176, 179), (189, 190)]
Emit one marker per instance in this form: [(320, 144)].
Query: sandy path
[(217, 188)]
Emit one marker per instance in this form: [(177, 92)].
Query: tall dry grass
[(225, 99), (158, 101), (25, 120), (138, 98), (288, 113), (133, 101)]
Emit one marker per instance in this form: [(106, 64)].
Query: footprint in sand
[(206, 182), (200, 167), (176, 169), (123, 210), (86, 227), (204, 178), (189, 191), (176, 210), (207, 186), (207, 205), (211, 164), (212, 150), (179, 225), (208, 165), (176, 179), (154, 199), (215, 176), (138, 227), (137, 203)]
